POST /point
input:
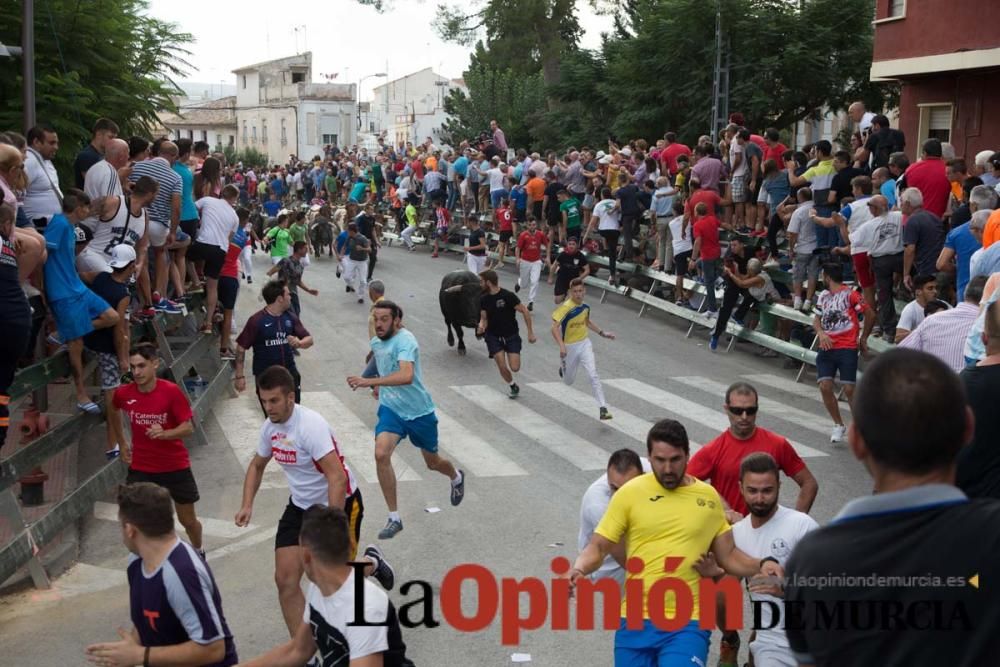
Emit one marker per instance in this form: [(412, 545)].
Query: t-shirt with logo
[(531, 245), (501, 313), (570, 265), (339, 636), (267, 335), (165, 405), (775, 539), (838, 316), (506, 219), (297, 445), (657, 523), (719, 461), (178, 602), (408, 401), (820, 179), (572, 318), (571, 207), (230, 266)]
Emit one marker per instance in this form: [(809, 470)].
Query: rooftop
[(215, 113), (298, 60)]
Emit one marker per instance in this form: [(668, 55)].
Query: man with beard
[(667, 519), (405, 409), (770, 531)]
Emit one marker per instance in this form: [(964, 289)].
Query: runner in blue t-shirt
[(405, 408)]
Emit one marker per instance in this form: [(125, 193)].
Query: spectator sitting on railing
[(76, 309)]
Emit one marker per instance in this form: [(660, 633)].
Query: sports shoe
[(562, 368), (531, 306), (250, 280), (348, 289), (797, 303), (838, 433), (605, 415), (517, 286), (112, 454), (807, 305), (390, 530), (361, 300), (338, 272), (713, 343), (167, 306), (227, 355), (458, 490), (433, 255), (514, 390), (383, 572)]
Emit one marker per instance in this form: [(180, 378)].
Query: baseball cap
[(121, 256)]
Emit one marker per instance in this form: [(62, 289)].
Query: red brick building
[(946, 54)]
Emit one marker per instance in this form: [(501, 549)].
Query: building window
[(244, 82), (204, 135), (284, 133), (263, 132), (253, 131), (329, 139), (218, 140), (897, 8), (232, 140), (298, 77), (245, 132), (935, 122)]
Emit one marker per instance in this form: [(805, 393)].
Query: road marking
[(774, 408), (542, 430), (355, 439), (632, 426), (476, 455), (806, 389), (213, 527), (683, 407), (240, 545), (241, 420)]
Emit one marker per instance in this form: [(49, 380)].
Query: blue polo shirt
[(961, 241)]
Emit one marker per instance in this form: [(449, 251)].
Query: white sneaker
[(797, 303), (838, 433), (807, 305)]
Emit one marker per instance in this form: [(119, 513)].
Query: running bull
[(459, 298)]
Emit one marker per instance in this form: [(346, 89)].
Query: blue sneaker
[(167, 306), (713, 343)]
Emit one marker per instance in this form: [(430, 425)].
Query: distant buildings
[(947, 57), (214, 122), (280, 112), (411, 108)]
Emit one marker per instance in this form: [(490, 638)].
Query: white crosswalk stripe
[(773, 408), (542, 430), (241, 419), (624, 422), (474, 453), (355, 439), (806, 389), (690, 410), (211, 527)]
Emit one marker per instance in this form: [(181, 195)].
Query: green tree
[(92, 59)]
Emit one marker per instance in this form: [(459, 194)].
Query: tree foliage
[(92, 59)]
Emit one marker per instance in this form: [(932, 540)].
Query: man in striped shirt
[(164, 212), (944, 334)]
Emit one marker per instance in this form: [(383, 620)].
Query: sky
[(346, 39)]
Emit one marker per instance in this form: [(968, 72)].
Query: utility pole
[(28, 62), (717, 86)]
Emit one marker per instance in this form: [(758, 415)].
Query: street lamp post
[(379, 75)]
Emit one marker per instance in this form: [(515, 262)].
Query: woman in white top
[(119, 219), (608, 218)]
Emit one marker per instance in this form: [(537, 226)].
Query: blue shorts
[(74, 317), (828, 362), (496, 196), (652, 647), (508, 344), (422, 431)]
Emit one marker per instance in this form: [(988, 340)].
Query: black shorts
[(180, 483), (508, 344), (290, 523), (505, 236), (190, 227), (213, 256), (681, 263), (520, 215), (562, 284), (536, 210), (229, 287)]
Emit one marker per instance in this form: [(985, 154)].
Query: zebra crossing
[(504, 442)]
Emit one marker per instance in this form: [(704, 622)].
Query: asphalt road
[(528, 463)]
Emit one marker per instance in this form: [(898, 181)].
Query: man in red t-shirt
[(719, 460), (708, 195), (929, 175), (505, 218), (707, 251), (836, 324), (159, 415), (529, 259), (669, 154)]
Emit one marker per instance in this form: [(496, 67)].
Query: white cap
[(121, 256), (600, 155), (627, 152)]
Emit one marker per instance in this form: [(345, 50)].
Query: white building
[(411, 108), (214, 122), (279, 111)]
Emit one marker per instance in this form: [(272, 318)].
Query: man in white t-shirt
[(218, 224), (103, 179), (802, 244), (769, 532), (42, 197), (303, 443), (330, 623), (623, 466), (924, 291)]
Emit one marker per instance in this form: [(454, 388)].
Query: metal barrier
[(182, 353)]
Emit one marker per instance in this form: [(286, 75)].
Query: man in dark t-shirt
[(498, 310), (978, 473), (273, 333), (568, 264), (900, 577)]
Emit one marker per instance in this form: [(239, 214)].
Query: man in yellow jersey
[(570, 323), (411, 222), (666, 516)]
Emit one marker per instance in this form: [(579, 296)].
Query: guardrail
[(184, 352)]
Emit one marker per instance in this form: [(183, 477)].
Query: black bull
[(459, 298)]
